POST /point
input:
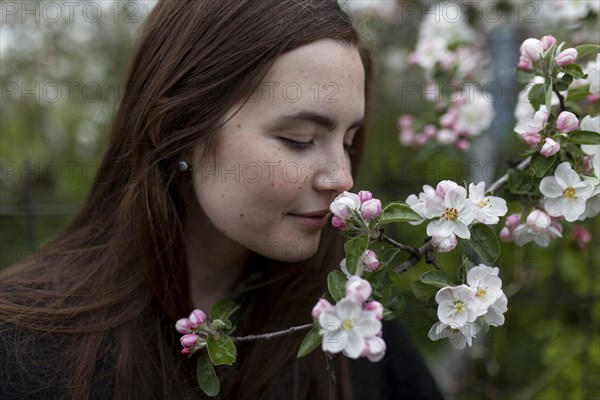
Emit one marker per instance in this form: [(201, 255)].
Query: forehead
[(326, 76)]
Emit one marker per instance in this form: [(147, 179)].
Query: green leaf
[(222, 309), (206, 376), (578, 93), (436, 278), (380, 283), (311, 341), (563, 83), (548, 99), (461, 272), (336, 283), (574, 70), (395, 280), (541, 164), (387, 255), (519, 182), (485, 242), (222, 350), (354, 250), (422, 291), (584, 137), (537, 95), (523, 77), (394, 306), (398, 212), (585, 49)]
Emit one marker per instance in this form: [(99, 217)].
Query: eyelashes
[(304, 146), (298, 145)]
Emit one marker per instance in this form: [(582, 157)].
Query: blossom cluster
[(194, 337), (464, 310), (452, 211), (450, 54), (353, 324), (351, 207)]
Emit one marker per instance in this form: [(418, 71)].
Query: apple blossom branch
[(427, 250), (271, 335)]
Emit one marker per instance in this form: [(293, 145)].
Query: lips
[(316, 219)]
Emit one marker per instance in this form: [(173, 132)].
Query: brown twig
[(331, 373), (271, 335)]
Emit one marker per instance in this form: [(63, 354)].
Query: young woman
[(241, 122)]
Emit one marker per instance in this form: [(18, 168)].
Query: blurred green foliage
[(549, 347)]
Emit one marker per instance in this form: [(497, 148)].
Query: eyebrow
[(319, 119)]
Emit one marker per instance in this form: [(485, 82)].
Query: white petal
[(574, 210), (565, 175), (455, 197), (550, 187), (367, 324), (347, 308), (555, 207), (355, 344), (440, 227), (335, 342), (461, 230)]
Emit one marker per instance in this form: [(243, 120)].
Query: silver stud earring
[(183, 166)]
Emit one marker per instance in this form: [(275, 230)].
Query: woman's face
[(282, 159)]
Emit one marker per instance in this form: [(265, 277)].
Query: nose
[(334, 173)]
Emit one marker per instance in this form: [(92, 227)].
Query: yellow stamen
[(450, 214), (459, 306), (483, 203), (347, 324), (481, 292), (569, 193)]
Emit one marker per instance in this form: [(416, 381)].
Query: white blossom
[(457, 305), (565, 193), (459, 337), (488, 209), (346, 327), (455, 215)]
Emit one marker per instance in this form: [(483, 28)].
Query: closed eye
[(298, 145)]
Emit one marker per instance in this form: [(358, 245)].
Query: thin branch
[(409, 249), (504, 178), (561, 99), (332, 380), (269, 336), (413, 260)]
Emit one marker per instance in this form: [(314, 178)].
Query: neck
[(215, 262)]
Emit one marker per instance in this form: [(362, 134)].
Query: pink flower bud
[(566, 57), (183, 326), (582, 236), (343, 205), (550, 148), (406, 122), (532, 49), (365, 195), (189, 341), (592, 98), (588, 167), (358, 289), (186, 352), (376, 308), (429, 131), (548, 41), (374, 348), (197, 318), (463, 145), (338, 222), (321, 306), (505, 235), (371, 209), (443, 187), (370, 261), (532, 138), (567, 122), (444, 244), (538, 221), (512, 221), (525, 64)]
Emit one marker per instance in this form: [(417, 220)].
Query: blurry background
[(61, 65)]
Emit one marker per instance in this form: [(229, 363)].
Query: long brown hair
[(115, 281)]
